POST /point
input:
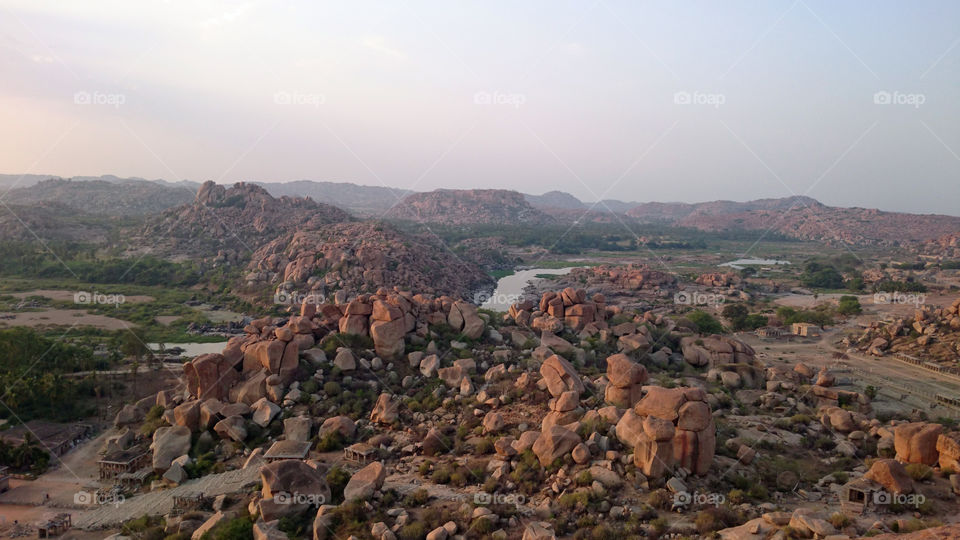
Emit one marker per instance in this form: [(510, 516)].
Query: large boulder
[(168, 444), (343, 425), (464, 318), (293, 477), (297, 428), (264, 412), (210, 376), (388, 338), (187, 414), (232, 427), (560, 376), (385, 411), (948, 444), (917, 442), (555, 443), (890, 474), (365, 482)]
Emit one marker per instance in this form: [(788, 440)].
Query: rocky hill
[(240, 218), (555, 200), (103, 197), (51, 221), (361, 258), (360, 200), (468, 207), (302, 245), (802, 218)]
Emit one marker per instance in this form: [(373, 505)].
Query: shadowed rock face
[(468, 206)]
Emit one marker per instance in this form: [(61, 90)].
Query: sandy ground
[(26, 501), (61, 317), (166, 320), (67, 296), (900, 385)]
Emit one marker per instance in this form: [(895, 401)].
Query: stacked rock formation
[(716, 350), (626, 379), (555, 310), (633, 277), (719, 279), (670, 427)]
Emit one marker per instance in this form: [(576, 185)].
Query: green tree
[(706, 323)]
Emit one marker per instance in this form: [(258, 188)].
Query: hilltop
[(468, 206)]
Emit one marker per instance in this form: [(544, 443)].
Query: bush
[(839, 520), (337, 479), (919, 471), (413, 531), (331, 388)]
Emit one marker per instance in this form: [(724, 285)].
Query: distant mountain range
[(795, 217)]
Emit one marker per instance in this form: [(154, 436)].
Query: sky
[(854, 103)]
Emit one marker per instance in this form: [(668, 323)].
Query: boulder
[(493, 422), (231, 427), (554, 443), (385, 411), (293, 477), (560, 376), (948, 445), (297, 428), (187, 414), (345, 360), (890, 474), (917, 442), (341, 424), (365, 482), (264, 411), (168, 444), (210, 376)]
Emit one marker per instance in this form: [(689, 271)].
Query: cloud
[(378, 43)]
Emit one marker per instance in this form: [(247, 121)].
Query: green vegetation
[(32, 369), (849, 305), (28, 457), (705, 322)]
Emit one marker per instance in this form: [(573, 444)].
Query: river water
[(509, 289)]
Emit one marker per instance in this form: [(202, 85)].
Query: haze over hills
[(799, 217), (470, 206)]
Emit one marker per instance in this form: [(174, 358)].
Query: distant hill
[(305, 244), (103, 197), (52, 221), (361, 200), (555, 199), (468, 206)]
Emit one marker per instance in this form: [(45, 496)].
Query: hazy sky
[(632, 100)]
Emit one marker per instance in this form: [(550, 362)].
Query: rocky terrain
[(568, 418), (362, 257), (932, 333), (234, 219), (468, 206)]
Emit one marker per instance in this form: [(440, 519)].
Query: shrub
[(919, 471), (337, 479), (839, 520)]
